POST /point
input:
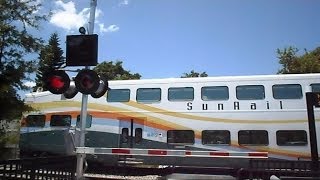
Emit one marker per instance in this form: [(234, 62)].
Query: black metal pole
[(131, 134), (310, 97)]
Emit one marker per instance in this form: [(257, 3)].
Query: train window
[(215, 137), (180, 94), (211, 93), (315, 87), (253, 137), (88, 121), (124, 135), (250, 92), (287, 91), (138, 135), (36, 120), (292, 138), (118, 95), (148, 95), (180, 137), (60, 120)]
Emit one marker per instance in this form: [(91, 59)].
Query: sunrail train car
[(260, 113)]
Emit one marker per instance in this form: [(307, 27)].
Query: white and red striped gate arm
[(170, 152)]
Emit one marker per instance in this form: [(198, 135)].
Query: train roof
[(216, 79)]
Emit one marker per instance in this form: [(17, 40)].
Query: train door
[(131, 133), (131, 136)]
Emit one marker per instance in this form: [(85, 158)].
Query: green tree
[(17, 18), (194, 74), (50, 58), (292, 63), (114, 71)]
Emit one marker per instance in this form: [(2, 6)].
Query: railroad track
[(159, 173), (120, 177), (175, 176)]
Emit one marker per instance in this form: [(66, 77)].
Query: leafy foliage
[(17, 17), (3, 138), (50, 58), (194, 74), (114, 71), (292, 63)]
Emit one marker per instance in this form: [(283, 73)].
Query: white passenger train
[(261, 113)]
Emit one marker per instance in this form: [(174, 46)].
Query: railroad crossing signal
[(81, 50), (87, 82)]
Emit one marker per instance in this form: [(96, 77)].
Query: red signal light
[(87, 81), (57, 82)]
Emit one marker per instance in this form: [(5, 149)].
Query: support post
[(312, 100), (84, 103)]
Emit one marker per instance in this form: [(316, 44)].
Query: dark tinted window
[(253, 137), (180, 136), (118, 95), (36, 120), (292, 138), (124, 135), (215, 137), (287, 91), (148, 95), (138, 135), (60, 120), (88, 121), (315, 87), (211, 93), (180, 94), (250, 92)]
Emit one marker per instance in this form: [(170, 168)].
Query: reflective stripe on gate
[(170, 152)]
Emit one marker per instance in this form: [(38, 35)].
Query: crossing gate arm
[(170, 152)]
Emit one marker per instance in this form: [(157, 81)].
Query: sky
[(166, 38)]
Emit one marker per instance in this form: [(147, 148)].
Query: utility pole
[(84, 103)]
